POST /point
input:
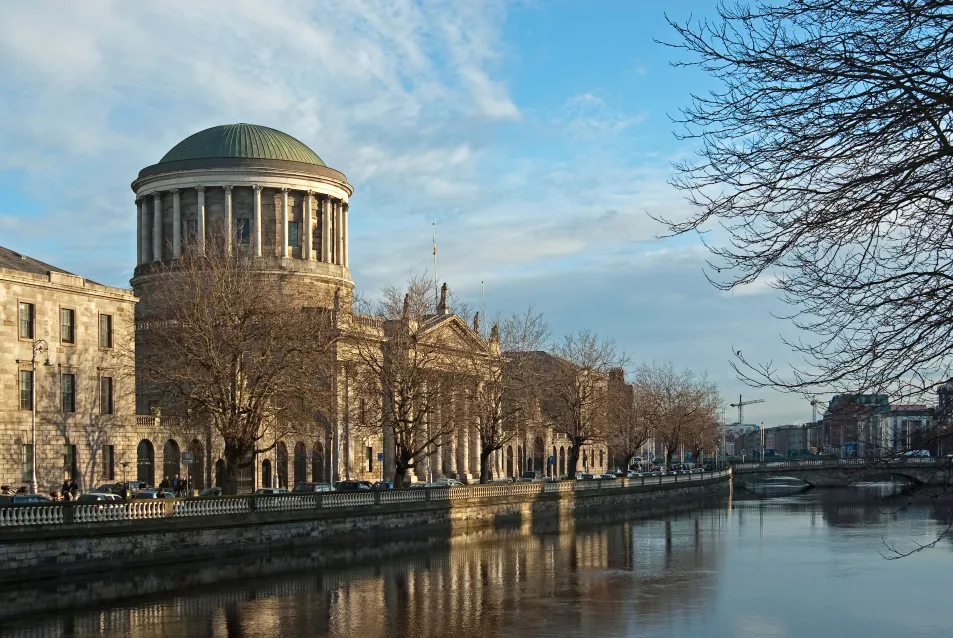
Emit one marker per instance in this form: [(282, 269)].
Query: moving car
[(20, 499), (308, 487), (99, 497), (446, 482), (210, 492), (270, 491), (353, 486), (531, 475), (156, 492)]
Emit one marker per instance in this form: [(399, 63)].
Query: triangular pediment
[(453, 332)]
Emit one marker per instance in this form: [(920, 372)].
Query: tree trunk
[(232, 457), (668, 458), (400, 476), (485, 464), (572, 461)]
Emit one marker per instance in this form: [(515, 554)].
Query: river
[(805, 565)]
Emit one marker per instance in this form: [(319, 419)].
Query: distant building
[(897, 429)]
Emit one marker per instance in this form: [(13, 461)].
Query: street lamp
[(38, 346)]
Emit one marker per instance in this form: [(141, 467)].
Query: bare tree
[(407, 374), (630, 424), (573, 383), (682, 405), (228, 346), (825, 157), (508, 385)]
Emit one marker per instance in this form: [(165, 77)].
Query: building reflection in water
[(485, 584)]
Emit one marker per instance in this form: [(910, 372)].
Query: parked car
[(531, 475), (155, 492), (608, 476), (383, 485), (210, 492), (446, 482), (270, 491), (110, 488), (353, 486), (99, 497), (135, 486), (20, 499), (307, 487)]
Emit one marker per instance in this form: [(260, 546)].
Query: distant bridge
[(845, 472)]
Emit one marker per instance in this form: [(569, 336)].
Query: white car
[(446, 482)]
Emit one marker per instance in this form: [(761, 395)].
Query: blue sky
[(535, 134)]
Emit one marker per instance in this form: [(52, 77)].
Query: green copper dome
[(242, 140)]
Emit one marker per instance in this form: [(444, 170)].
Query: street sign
[(552, 460), (187, 457), (380, 456)]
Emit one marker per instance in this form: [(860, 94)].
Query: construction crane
[(740, 405)]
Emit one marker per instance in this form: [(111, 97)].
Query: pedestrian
[(6, 490), (54, 497), (73, 490), (64, 491), (165, 483), (177, 485)]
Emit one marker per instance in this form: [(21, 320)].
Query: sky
[(536, 135)]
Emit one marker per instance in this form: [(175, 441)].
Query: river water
[(806, 565)]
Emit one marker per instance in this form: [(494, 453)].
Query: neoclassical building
[(257, 190)]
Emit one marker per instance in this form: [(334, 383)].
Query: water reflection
[(709, 571)]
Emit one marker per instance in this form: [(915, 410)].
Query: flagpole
[(436, 286)]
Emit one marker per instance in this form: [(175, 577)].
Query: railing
[(819, 464), (59, 513)]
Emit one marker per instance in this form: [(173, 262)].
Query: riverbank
[(83, 563)]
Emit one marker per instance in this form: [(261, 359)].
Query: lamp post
[(39, 346)]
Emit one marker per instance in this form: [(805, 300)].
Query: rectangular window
[(26, 463), (67, 325), (106, 395), (244, 230), (191, 231), (70, 466), (26, 389), (370, 459), (109, 462), (26, 320), (293, 237), (105, 331), (68, 392)]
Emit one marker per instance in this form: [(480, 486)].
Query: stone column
[(463, 466), (157, 227), (176, 224), (326, 230), (452, 453), (200, 218), (256, 220), (284, 222), (338, 250), (344, 207), (229, 223), (141, 247), (306, 244)]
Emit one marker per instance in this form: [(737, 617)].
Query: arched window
[(301, 462), (520, 460), (282, 469), (266, 473), (145, 462), (601, 457), (562, 461), (170, 460), (196, 469), (219, 472), (509, 460), (319, 471)]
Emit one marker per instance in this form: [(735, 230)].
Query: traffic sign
[(187, 457), (380, 456), (552, 460)]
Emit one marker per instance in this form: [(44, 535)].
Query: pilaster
[(156, 227), (176, 224), (200, 217)]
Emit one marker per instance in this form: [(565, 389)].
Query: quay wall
[(53, 551)]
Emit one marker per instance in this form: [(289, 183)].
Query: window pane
[(26, 321), (67, 384), (191, 231), (105, 331), (109, 462), (27, 463), (66, 325), (26, 389), (106, 395), (293, 234), (244, 230)]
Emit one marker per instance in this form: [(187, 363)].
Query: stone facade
[(77, 436)]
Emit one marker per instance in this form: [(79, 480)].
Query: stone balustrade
[(25, 515)]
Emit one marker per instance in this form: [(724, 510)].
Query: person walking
[(64, 491), (73, 490)]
